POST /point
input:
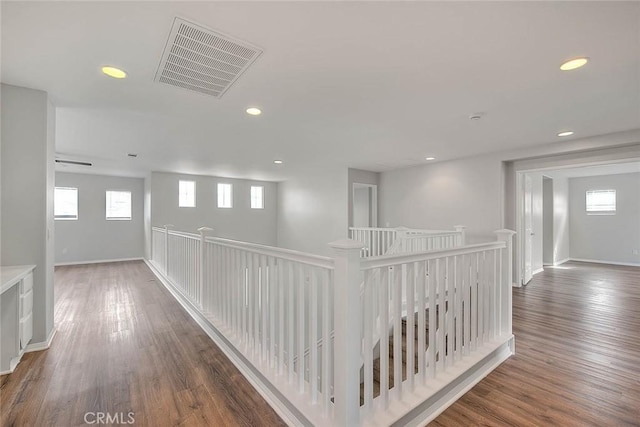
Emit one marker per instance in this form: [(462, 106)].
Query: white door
[(528, 230)]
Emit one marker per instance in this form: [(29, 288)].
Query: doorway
[(365, 205), (547, 221)]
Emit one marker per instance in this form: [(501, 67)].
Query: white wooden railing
[(383, 241), (461, 298), (305, 330), (272, 304)]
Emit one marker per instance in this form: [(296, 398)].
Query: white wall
[(441, 195), (561, 240), (313, 210), (608, 238), (239, 223), (92, 237), (147, 217), (27, 157)]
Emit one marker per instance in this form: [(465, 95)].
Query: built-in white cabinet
[(16, 314)]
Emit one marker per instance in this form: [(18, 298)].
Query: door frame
[(520, 227)]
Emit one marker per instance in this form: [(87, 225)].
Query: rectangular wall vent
[(202, 60)]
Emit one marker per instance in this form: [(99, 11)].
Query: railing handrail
[(286, 254), (416, 234), (408, 230), (401, 258)]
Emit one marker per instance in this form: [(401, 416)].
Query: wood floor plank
[(577, 359), (123, 344)]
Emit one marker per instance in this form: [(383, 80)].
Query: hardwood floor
[(125, 345), (577, 361)]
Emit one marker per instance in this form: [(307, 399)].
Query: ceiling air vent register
[(202, 60)]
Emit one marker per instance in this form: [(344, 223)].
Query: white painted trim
[(288, 413), (599, 261), (42, 345), (99, 261), (540, 270), (519, 243), (562, 261)]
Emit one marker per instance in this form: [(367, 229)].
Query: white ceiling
[(370, 85)]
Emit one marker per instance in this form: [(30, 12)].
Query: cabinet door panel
[(26, 330), (26, 303), (27, 283)]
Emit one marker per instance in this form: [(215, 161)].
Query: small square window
[(65, 203), (118, 205), (257, 197), (187, 194), (225, 196), (601, 202)]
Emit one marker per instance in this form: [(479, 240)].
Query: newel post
[(200, 267), (166, 248), (462, 234), (347, 317), (506, 280), (401, 234)]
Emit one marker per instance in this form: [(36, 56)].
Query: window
[(601, 201), (118, 205), (225, 196), (257, 197), (65, 203), (187, 194)]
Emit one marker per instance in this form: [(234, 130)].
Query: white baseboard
[(540, 270), (599, 261), (562, 261), (99, 261), (289, 414), (42, 345)]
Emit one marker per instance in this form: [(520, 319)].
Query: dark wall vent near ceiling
[(202, 60), (73, 162)]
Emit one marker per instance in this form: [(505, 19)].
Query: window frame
[(220, 202), (261, 198), (180, 198), (610, 209), (118, 218), (65, 218)]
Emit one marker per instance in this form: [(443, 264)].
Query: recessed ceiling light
[(429, 158), (114, 72), (254, 111), (278, 162), (572, 64), (567, 133)]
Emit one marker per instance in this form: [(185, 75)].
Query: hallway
[(123, 344)]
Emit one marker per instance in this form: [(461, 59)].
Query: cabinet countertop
[(12, 274)]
